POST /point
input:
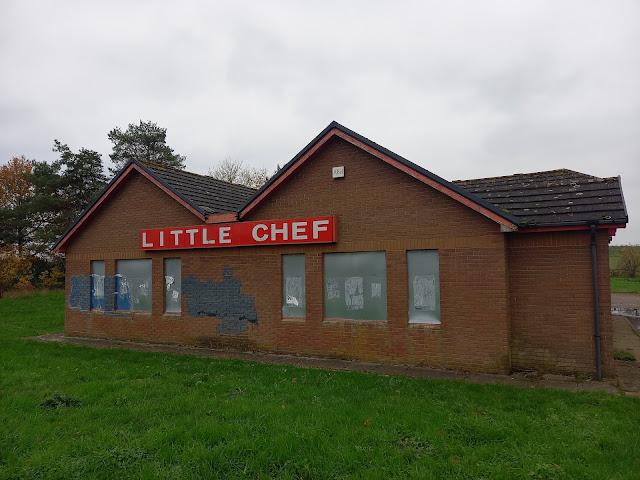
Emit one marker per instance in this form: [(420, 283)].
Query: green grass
[(622, 284), (75, 412), (630, 357), (625, 285)]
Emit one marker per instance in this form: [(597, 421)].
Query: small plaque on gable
[(338, 172)]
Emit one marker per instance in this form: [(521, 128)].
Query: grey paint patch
[(80, 294), (222, 300)]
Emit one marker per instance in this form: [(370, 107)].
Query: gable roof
[(557, 199), (553, 198), (334, 129), (208, 199), (210, 195)]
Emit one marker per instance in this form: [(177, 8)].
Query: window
[(173, 285), (133, 285), (424, 286), (293, 286), (97, 284), (355, 286)]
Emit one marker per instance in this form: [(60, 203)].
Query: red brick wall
[(379, 209), (552, 325)]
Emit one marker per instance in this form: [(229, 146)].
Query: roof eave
[(580, 225), (113, 186)]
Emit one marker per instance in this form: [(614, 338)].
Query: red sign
[(269, 232)]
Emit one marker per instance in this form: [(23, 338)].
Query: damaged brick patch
[(222, 300)]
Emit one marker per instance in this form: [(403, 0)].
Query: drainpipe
[(596, 312)]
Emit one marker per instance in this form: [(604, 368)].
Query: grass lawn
[(150, 415), (622, 284), (625, 285)]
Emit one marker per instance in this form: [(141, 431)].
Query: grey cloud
[(465, 89)]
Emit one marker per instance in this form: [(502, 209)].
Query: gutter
[(596, 306)]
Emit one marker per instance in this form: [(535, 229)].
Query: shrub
[(628, 261), (24, 283), (13, 267), (55, 279)]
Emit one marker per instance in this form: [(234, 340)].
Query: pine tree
[(145, 142)]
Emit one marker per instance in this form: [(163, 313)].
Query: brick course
[(485, 325)]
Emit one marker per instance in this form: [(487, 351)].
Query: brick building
[(353, 251)]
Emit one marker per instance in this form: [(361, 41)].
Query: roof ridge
[(513, 175), (205, 177)]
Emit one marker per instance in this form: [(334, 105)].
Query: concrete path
[(626, 338), (625, 300)]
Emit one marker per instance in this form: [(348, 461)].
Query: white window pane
[(293, 286), (424, 286), (172, 284), (133, 285), (97, 284), (355, 286)]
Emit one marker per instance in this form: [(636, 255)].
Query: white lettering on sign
[(204, 238), (319, 226), (224, 234), (175, 234), (144, 240), (254, 232), (192, 235), (265, 232), (299, 231), (275, 231)]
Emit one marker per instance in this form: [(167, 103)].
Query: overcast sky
[(465, 89)]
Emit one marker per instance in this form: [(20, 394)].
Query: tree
[(629, 261), (13, 265), (82, 176), (63, 190), (234, 171), (14, 184), (146, 142), (16, 190), (59, 192)]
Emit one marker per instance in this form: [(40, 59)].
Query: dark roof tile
[(556, 197), (209, 195)]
